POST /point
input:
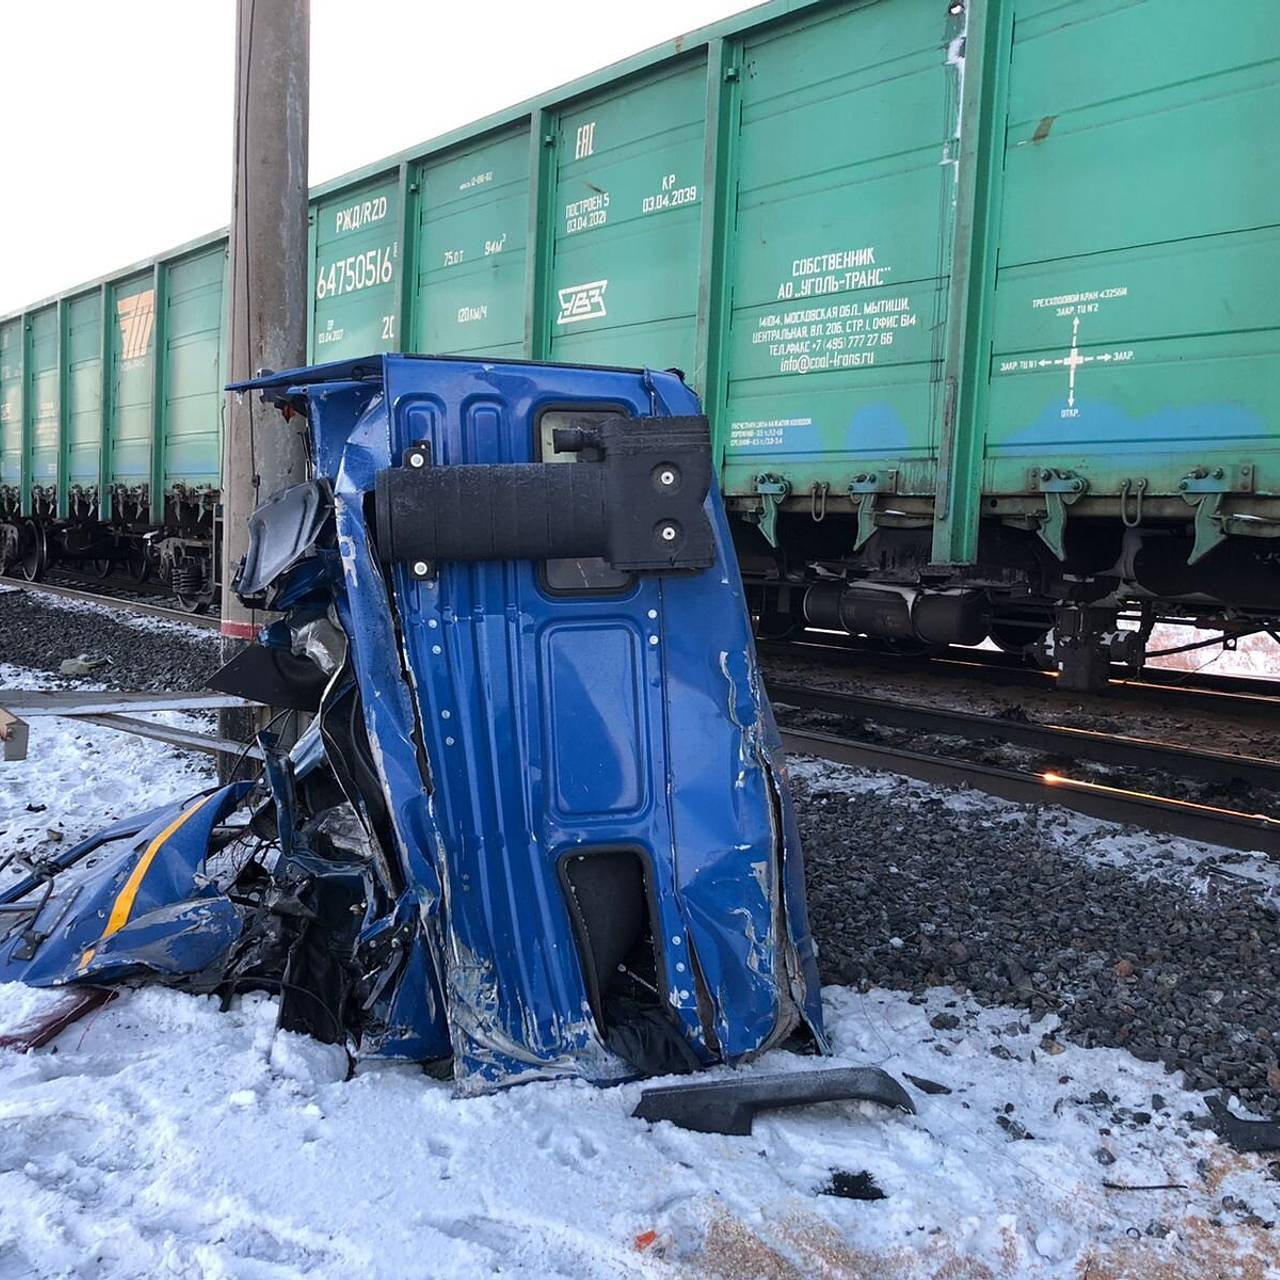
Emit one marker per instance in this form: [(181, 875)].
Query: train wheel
[(101, 567), (192, 587), (137, 563), (33, 554), (192, 604)]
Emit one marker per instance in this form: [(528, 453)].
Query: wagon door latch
[(773, 491), (865, 490), (1204, 488), (1060, 489)]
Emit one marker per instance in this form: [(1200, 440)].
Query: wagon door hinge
[(865, 491), (1060, 489), (773, 491)]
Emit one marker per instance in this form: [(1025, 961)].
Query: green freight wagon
[(980, 296), (109, 454)]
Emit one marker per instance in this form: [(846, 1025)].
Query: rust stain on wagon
[(1042, 129)]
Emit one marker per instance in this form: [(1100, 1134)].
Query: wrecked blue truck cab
[(577, 758), (538, 825)]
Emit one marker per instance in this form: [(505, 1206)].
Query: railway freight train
[(980, 296)]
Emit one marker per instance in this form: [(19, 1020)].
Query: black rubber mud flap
[(729, 1106)]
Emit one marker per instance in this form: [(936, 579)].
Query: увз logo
[(582, 302)]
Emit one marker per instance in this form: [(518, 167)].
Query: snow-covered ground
[(78, 777), (162, 1137), (166, 1138), (1256, 655)]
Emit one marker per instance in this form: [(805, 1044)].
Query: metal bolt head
[(667, 477), (668, 533), (420, 568), (415, 459)]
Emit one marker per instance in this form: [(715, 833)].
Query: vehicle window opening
[(609, 907), (592, 573)]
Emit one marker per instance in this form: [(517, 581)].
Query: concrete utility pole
[(268, 264)]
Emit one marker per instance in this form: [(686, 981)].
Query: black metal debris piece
[(1243, 1135), (730, 1106)]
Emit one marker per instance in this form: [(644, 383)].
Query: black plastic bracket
[(635, 500), (729, 1106)]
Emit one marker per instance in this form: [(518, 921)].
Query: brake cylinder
[(899, 613)]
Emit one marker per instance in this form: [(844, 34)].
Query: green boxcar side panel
[(84, 388), (1137, 320), (839, 262), (11, 403), (193, 399), (356, 272), (42, 387), (132, 353), (627, 216), (472, 250)]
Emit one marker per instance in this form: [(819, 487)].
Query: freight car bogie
[(1095, 607), (180, 553)]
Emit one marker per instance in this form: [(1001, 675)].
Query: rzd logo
[(582, 302)]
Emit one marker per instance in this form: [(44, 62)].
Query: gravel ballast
[(912, 887), (145, 653)]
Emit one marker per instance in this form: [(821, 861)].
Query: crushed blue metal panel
[(138, 900)]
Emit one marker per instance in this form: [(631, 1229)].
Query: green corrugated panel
[(840, 246), (11, 404), (193, 396), (132, 353), (84, 388), (472, 238), (1136, 307), (355, 272), (42, 390), (625, 235)]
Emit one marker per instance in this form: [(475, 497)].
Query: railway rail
[(1252, 832), (1239, 696), (1210, 824), (133, 601), (1049, 739)]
